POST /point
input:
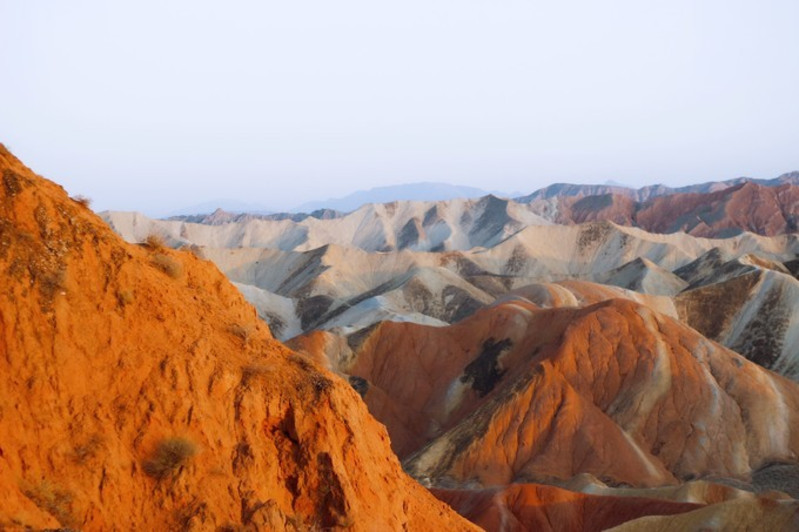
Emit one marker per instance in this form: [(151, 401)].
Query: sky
[(154, 106)]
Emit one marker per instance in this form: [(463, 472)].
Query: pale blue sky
[(157, 105)]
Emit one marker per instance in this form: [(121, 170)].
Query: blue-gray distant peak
[(228, 205), (650, 191), (425, 191)]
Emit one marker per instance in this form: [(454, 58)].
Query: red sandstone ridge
[(746, 207), (516, 393), (139, 391)]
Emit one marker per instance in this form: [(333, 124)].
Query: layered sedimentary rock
[(752, 310), (350, 287), (615, 389), (748, 206)]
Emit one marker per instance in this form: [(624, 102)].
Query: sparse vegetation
[(53, 281), (87, 450), (82, 200), (169, 265), (53, 500), (125, 297), (169, 457), (12, 182), (243, 332), (155, 242), (319, 383), (195, 250), (251, 371), (301, 361)]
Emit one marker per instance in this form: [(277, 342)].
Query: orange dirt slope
[(516, 393), (140, 391)]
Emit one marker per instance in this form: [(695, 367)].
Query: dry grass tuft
[(195, 250), (169, 457), (242, 332), (125, 297), (87, 450), (155, 242), (169, 265), (53, 500), (82, 200)]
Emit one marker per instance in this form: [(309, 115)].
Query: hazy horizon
[(155, 107)]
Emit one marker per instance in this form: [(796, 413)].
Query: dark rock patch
[(359, 384), (484, 371), (311, 309)]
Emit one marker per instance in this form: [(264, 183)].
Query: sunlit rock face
[(140, 391)]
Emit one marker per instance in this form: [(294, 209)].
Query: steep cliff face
[(140, 391)]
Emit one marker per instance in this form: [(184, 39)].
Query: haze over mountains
[(424, 191), (435, 191), (652, 191), (601, 362)]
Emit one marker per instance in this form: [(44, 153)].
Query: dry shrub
[(253, 371), (155, 242), (318, 382), (87, 450), (170, 455), (125, 297), (52, 282), (53, 500), (82, 200), (169, 265), (243, 332), (12, 182), (195, 250)]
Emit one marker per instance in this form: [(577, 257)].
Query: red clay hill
[(744, 207), (139, 391)]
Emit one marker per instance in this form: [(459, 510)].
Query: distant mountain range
[(229, 210), (651, 191), (423, 191), (228, 205), (461, 224)]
